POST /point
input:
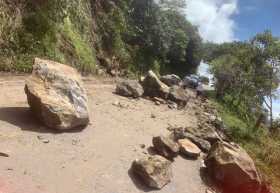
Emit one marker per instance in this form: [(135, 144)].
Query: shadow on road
[(23, 118)]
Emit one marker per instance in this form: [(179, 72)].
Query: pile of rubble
[(164, 90), (227, 164)]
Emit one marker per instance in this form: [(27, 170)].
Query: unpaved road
[(95, 160)]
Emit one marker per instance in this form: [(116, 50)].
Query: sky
[(229, 20)]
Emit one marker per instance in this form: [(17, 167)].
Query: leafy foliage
[(246, 73)]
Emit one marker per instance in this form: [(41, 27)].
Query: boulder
[(154, 171), (171, 80), (178, 95), (182, 133), (231, 167), (56, 95), (205, 132), (153, 87), (188, 148), (129, 88), (166, 147)]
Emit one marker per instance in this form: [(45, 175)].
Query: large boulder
[(154, 171), (166, 147), (171, 80), (178, 95), (56, 95), (129, 88), (231, 167), (153, 87)]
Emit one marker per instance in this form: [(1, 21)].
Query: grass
[(45, 32), (262, 147)]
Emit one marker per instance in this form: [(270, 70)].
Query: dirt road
[(95, 160)]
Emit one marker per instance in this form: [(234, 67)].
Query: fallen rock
[(129, 88), (56, 95), (159, 100), (230, 166), (171, 80), (172, 105), (166, 147), (154, 171), (209, 191), (188, 148), (178, 95), (205, 132), (181, 133), (153, 87)]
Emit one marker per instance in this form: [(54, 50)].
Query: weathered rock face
[(178, 95), (166, 147), (230, 166), (188, 148), (154, 171), (56, 95), (153, 87), (171, 80), (129, 88)]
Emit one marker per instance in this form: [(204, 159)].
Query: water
[(203, 70)]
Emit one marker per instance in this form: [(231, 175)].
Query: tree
[(267, 60)]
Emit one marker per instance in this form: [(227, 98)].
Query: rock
[(56, 95), (172, 105), (181, 133), (43, 139), (129, 88), (159, 100), (153, 116), (166, 147), (231, 166), (205, 132), (154, 171), (171, 80), (188, 148), (178, 95), (153, 87), (209, 191)]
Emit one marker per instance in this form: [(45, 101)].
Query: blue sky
[(228, 20), (255, 16)]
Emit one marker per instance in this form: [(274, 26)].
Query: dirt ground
[(94, 160)]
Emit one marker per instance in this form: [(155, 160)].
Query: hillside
[(126, 36)]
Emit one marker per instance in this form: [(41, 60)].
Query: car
[(191, 81)]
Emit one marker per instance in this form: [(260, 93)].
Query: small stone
[(42, 139), (209, 191), (142, 146), (153, 116), (188, 148)]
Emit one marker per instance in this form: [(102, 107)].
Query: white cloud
[(213, 18)]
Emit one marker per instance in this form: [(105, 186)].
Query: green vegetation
[(129, 36), (247, 78), (54, 29)]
